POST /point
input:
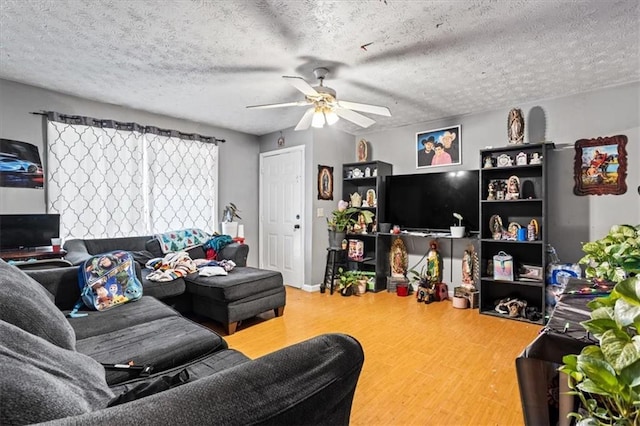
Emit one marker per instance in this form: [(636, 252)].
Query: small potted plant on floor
[(606, 377), (352, 282)]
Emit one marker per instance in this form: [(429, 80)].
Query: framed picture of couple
[(439, 147)]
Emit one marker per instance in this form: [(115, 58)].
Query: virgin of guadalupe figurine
[(398, 259), (434, 263), (515, 126), (469, 265)]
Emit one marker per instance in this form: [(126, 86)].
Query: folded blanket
[(171, 267), (181, 239), (225, 264), (210, 271)]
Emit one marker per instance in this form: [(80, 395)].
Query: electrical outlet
[(320, 212)]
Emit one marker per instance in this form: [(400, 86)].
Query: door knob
[(296, 226)]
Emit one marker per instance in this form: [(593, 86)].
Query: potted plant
[(348, 282), (606, 377), (421, 281), (342, 220), (614, 256), (229, 226)]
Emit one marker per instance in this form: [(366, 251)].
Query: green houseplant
[(352, 282), (606, 377), (342, 220)]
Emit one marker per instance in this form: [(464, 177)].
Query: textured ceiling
[(206, 60)]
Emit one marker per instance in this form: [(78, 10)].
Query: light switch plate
[(320, 212)]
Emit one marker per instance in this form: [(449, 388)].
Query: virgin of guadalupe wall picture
[(325, 182), (20, 165)]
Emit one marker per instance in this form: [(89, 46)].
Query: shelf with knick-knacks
[(363, 186), (513, 215)]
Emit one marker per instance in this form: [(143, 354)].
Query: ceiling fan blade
[(300, 84), (373, 109), (354, 117), (286, 104), (305, 121)]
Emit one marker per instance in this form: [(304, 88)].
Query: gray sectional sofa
[(244, 293), (51, 367)]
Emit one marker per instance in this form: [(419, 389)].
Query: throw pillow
[(41, 381), (27, 305)]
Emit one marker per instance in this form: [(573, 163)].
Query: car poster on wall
[(20, 165)]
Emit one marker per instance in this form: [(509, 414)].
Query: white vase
[(457, 231), (230, 228)]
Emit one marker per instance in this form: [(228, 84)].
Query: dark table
[(538, 363)]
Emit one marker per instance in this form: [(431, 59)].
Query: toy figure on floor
[(425, 293)]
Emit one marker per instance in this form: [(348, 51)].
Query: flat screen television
[(25, 231), (427, 201)]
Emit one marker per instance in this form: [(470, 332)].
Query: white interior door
[(282, 212)]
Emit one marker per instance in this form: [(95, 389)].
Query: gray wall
[(572, 219), (238, 157), (329, 147)]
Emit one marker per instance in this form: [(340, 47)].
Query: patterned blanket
[(171, 267), (179, 240)]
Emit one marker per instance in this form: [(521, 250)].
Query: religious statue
[(398, 259), (470, 264), (434, 263), (515, 126), (513, 188)]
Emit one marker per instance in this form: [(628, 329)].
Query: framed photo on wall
[(325, 182), (439, 147), (600, 166)]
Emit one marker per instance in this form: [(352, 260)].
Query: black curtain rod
[(189, 136)]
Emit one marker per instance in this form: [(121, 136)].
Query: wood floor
[(424, 364)]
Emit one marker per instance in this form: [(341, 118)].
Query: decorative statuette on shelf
[(356, 200), (504, 160), (513, 188), (536, 158), (521, 159), (515, 126)]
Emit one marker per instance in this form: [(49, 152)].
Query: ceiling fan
[(325, 108)]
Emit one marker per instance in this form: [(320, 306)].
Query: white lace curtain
[(119, 179)]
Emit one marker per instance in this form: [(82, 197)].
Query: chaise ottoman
[(244, 293)]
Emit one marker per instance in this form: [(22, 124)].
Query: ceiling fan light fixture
[(332, 117), (318, 119)]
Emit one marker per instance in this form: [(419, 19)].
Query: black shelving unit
[(355, 178), (530, 204)]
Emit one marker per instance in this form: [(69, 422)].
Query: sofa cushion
[(97, 323), (41, 381), (241, 282), (197, 369), (153, 246), (27, 305), (103, 245), (164, 343)]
